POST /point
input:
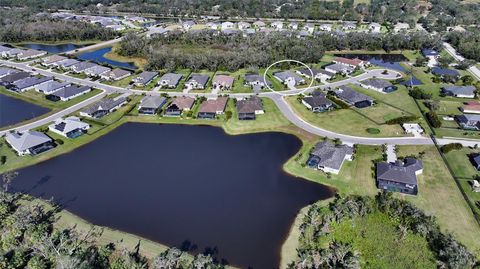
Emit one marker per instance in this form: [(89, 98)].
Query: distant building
[(329, 157), (400, 176)]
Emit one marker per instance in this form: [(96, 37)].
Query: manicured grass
[(239, 83), (349, 121), (439, 195), (377, 239)]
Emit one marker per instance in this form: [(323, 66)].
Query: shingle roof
[(104, 104), (213, 105), (53, 59), (445, 71), (183, 102), (30, 81), (67, 62), (146, 76), (315, 72), (284, 75), (4, 71), (317, 100), (377, 83), (460, 90), (29, 139), (14, 77), (249, 105), (340, 67), (330, 155), (83, 66), (152, 102), (51, 86), (224, 79), (403, 172), (67, 125), (172, 78), (70, 91), (199, 78), (118, 73), (351, 96)]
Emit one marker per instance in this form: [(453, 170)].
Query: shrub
[(449, 147), (59, 141), (373, 131), (401, 120), (417, 93), (3, 159), (433, 119)]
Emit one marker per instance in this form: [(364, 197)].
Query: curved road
[(277, 98)]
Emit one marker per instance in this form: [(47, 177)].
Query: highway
[(277, 98)]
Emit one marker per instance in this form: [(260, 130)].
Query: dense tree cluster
[(29, 240), (18, 26), (210, 50), (445, 13), (319, 219), (466, 43)]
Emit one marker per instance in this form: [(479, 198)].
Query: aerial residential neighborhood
[(239, 134)]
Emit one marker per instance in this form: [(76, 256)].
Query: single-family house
[(400, 176), (29, 142), (472, 107), (329, 157), (475, 185), (346, 26), (144, 78), (448, 75), (400, 26), (223, 82), (96, 70), (65, 64), (293, 25), (116, 74), (355, 63), (413, 128), (248, 109), (68, 93), (178, 105), (469, 121), (4, 50), (259, 24), (374, 27), (103, 107), (30, 54), (5, 71), (12, 78), (318, 102), (12, 53), (318, 74), (339, 69), (51, 86), (227, 25), (353, 98), (187, 25), (325, 27), (48, 61), (459, 91), (150, 105), (277, 25), (243, 25), (289, 78), (255, 81), (212, 107), (197, 81), (81, 66), (429, 53), (378, 85), (309, 27), (70, 127), (169, 80), (28, 83)]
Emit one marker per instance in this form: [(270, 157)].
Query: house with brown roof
[(355, 63), (212, 107), (471, 107), (116, 74), (247, 109), (223, 82), (49, 61), (178, 105)]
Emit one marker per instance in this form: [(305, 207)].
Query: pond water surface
[(53, 48), (13, 110), (98, 57), (193, 187)]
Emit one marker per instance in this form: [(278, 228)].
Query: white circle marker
[(287, 94)]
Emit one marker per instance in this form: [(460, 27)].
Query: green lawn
[(350, 121), (377, 239)]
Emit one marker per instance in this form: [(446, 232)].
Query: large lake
[(53, 48), (190, 186), (13, 110), (98, 57)]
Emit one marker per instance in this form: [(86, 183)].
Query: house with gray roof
[(170, 80), (70, 127), (317, 102), (30, 54), (287, 77), (459, 91), (144, 78), (11, 78), (28, 83), (378, 85), (116, 74), (4, 50), (469, 121), (29, 142), (51, 86), (318, 74), (103, 107), (68, 93), (81, 66), (65, 64), (329, 157), (339, 69), (400, 176), (197, 82), (48, 61), (150, 105), (248, 109), (255, 81), (12, 53), (96, 70), (5, 71), (352, 97)]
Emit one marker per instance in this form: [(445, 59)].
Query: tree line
[(207, 49), (319, 221), (467, 43), (30, 240)]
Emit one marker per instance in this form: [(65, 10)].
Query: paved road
[(451, 50), (278, 99)]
